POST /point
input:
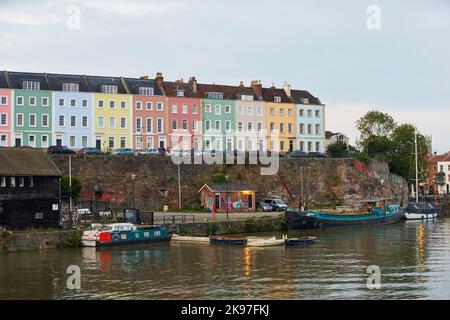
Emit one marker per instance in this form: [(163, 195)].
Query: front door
[(291, 145), (59, 142), (217, 202), (98, 144), (18, 142), (250, 201)]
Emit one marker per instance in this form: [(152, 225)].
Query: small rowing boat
[(177, 237), (264, 242), (228, 241), (299, 241)]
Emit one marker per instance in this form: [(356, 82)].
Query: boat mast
[(417, 166)]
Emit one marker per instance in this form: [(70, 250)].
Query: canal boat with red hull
[(372, 212)]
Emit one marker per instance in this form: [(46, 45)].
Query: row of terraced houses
[(77, 111)]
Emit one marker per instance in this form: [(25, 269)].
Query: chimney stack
[(257, 87), (273, 86), (287, 88), (144, 77), (193, 84), (241, 84), (159, 79)]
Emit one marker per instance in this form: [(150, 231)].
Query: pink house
[(184, 115), (5, 117), (149, 114)]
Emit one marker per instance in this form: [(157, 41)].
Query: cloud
[(20, 16), (128, 8)]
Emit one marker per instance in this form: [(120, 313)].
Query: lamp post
[(226, 178), (133, 177)]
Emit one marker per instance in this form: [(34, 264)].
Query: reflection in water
[(247, 262), (414, 259), (421, 251)]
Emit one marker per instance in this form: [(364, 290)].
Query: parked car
[(59, 150), (123, 152), (276, 203), (297, 154), (265, 207), (149, 152), (90, 151), (317, 155)]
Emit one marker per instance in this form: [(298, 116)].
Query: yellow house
[(112, 113), (280, 115)]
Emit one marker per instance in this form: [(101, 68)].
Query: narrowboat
[(371, 212), (117, 234), (289, 242), (228, 241)]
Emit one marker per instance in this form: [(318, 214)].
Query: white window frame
[(75, 123), (35, 101), (29, 120), (103, 122), (17, 117), (158, 122), (45, 99), (82, 121), (20, 98), (123, 122), (147, 104), (5, 115), (6, 100), (160, 106), (217, 107), (112, 120), (61, 116), (42, 120)]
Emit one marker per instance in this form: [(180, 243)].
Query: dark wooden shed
[(30, 185)]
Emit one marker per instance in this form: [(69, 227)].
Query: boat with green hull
[(121, 234)]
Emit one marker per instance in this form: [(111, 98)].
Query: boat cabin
[(115, 227), (374, 205)]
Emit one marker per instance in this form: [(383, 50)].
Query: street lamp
[(226, 178), (133, 177)]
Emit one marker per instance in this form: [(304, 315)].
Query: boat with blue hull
[(121, 234), (374, 212), (228, 241)]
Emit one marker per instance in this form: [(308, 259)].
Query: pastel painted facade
[(219, 124), (33, 118), (280, 120), (112, 113), (149, 114), (443, 166), (310, 121), (251, 134), (184, 116), (6, 117)]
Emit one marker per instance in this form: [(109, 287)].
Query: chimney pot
[(159, 79)]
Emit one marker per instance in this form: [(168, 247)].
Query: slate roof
[(298, 95), (268, 95), (26, 162), (171, 87), (95, 83), (56, 81), (3, 82), (16, 79), (232, 187), (229, 92), (134, 84)]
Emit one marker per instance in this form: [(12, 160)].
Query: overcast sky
[(396, 59)]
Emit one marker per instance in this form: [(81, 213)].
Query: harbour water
[(414, 259)]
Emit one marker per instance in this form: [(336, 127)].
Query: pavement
[(201, 216)]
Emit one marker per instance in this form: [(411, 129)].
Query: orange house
[(241, 197)]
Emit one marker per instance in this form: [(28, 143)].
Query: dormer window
[(109, 89), (247, 97), (277, 99), (305, 100), (146, 91), (31, 85), (214, 95), (180, 93), (70, 87)]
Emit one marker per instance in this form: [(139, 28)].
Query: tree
[(337, 150), (65, 187), (401, 157), (375, 128)]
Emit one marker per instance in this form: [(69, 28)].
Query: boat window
[(416, 207), (431, 207)]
